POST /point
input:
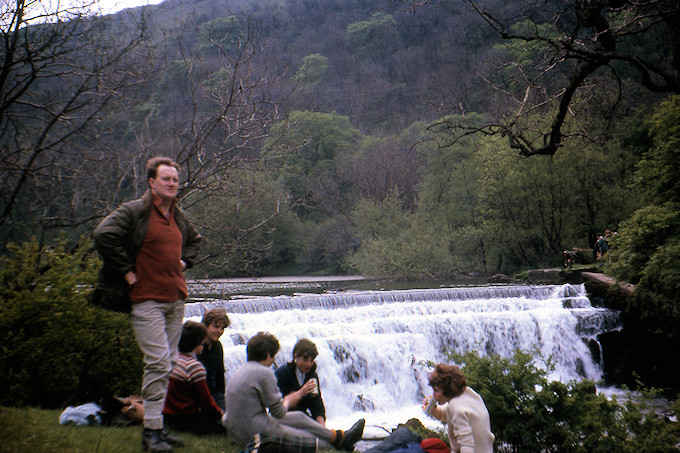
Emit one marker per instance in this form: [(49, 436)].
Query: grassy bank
[(31, 430)]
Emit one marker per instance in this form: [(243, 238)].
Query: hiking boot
[(152, 442), (173, 440), (353, 435)]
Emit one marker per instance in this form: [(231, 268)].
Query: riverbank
[(290, 278), (293, 284)]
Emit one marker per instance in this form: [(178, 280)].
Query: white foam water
[(375, 346)]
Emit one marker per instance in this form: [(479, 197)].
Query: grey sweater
[(250, 391)]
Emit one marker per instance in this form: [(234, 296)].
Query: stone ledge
[(608, 281)]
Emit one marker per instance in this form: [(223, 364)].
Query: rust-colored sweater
[(158, 265)]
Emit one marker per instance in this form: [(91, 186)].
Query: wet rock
[(363, 404)]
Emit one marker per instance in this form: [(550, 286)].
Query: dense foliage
[(646, 251), (481, 208), (318, 137), (56, 348), (297, 125), (530, 413)]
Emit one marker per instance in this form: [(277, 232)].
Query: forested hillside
[(364, 136)]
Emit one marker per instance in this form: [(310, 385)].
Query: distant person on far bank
[(462, 409), (601, 247), (299, 382), (212, 356), (569, 258), (147, 244)]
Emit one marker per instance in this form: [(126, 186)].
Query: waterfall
[(374, 346)]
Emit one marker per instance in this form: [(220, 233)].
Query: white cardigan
[(467, 420)]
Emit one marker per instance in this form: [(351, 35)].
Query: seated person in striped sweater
[(188, 404)]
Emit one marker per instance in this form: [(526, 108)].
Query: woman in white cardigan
[(463, 410)]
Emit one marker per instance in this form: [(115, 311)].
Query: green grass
[(31, 430)]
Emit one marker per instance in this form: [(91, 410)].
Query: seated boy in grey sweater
[(255, 405)]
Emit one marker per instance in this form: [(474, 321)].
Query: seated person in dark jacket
[(212, 357), (299, 383)]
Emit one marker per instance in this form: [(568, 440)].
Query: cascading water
[(374, 345)]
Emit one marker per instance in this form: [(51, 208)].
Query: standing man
[(147, 244)]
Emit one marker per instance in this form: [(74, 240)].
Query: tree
[(450, 195), (312, 71), (92, 101), (221, 35), (234, 99), (387, 245), (646, 248), (646, 252), (307, 148), (380, 165), (373, 38), (578, 58), (60, 70), (311, 82), (658, 173)]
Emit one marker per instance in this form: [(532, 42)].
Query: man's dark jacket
[(118, 238), (288, 383)]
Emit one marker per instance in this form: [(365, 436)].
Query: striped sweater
[(188, 392)]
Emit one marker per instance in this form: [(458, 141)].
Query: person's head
[(447, 381), (215, 320), (163, 177), (304, 354), (608, 233), (133, 408), (193, 334), (262, 346)]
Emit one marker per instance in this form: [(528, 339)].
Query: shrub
[(56, 348), (531, 414), (640, 239)]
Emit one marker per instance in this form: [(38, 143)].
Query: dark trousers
[(197, 423)]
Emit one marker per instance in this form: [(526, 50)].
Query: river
[(375, 344)]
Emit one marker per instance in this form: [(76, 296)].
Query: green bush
[(56, 348), (531, 414), (640, 239)]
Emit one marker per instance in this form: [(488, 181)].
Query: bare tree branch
[(59, 70), (578, 37)]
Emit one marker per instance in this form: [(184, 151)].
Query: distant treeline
[(314, 137)]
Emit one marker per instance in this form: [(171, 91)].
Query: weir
[(374, 346)]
